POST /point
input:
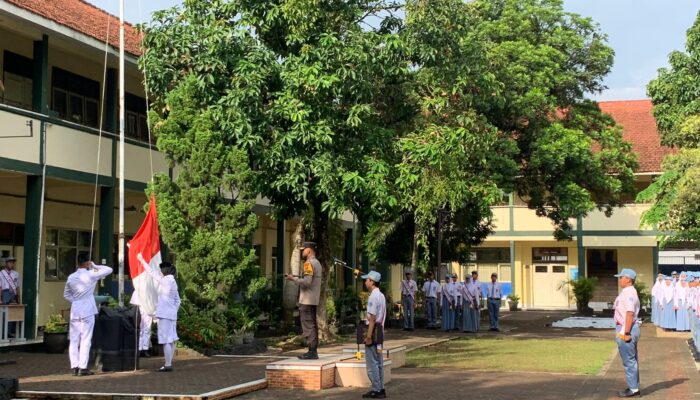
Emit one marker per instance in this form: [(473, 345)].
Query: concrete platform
[(396, 354), (353, 373), (293, 373)]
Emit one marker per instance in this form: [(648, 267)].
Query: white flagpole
[(121, 153)]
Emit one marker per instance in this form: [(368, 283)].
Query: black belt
[(494, 298)]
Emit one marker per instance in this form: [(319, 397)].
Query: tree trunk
[(414, 254), (290, 294), (323, 253)]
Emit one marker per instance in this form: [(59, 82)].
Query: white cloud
[(623, 93)]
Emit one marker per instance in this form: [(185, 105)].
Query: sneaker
[(629, 393), (85, 372), (374, 395), (165, 369)]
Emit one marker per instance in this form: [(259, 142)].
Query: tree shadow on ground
[(662, 385)]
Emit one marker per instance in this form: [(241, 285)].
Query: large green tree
[(392, 111), (675, 195)]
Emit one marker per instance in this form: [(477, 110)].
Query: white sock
[(168, 351)]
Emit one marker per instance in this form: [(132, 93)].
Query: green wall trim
[(655, 261), (32, 226), (512, 264), (135, 186), (279, 255), (579, 247), (9, 164), (77, 176)]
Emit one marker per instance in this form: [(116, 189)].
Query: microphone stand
[(356, 273)]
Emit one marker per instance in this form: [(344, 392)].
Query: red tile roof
[(85, 18), (639, 128)]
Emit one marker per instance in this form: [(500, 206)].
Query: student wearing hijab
[(680, 304), (469, 304), (447, 300), (668, 314), (655, 295)]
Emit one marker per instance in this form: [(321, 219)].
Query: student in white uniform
[(656, 294), (681, 293), (494, 293), (627, 330), (145, 323), (408, 301), (376, 314), (80, 292), (431, 289), (166, 310), (9, 289)]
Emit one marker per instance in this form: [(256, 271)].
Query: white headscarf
[(667, 290)]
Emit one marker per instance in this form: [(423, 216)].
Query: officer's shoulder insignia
[(308, 268)]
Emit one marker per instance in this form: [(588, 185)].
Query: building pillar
[(40, 78), (111, 100), (280, 255), (32, 245), (106, 233), (580, 249), (655, 262)]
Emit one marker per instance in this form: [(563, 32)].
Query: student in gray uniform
[(408, 301), (431, 289)]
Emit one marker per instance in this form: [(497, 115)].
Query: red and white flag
[(147, 243)]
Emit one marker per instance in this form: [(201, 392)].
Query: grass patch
[(515, 355)]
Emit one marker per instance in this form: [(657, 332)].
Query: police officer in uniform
[(309, 295)]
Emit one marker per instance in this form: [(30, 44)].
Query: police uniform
[(628, 301), (309, 296), (408, 301), (79, 291)]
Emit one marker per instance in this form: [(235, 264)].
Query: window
[(274, 259), (558, 269), (75, 98), (545, 254), (136, 121), (540, 269), (62, 249), (17, 79)]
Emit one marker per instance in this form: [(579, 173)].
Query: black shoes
[(629, 393), (375, 395), (165, 369), (309, 355), (75, 371), (494, 330), (85, 372), (144, 354)]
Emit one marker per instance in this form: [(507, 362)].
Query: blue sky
[(642, 33)]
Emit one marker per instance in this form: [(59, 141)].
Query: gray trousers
[(431, 311), (408, 316), (375, 367), (309, 325), (629, 357)]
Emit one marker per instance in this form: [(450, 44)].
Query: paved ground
[(667, 371), (192, 375)]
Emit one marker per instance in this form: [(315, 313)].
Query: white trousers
[(145, 331), (80, 341)]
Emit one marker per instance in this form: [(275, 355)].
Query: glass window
[(540, 269), (132, 125), (558, 269), (143, 127), (76, 113), (18, 91), (62, 249), (60, 103), (91, 113)]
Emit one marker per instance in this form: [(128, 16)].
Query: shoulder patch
[(308, 268)]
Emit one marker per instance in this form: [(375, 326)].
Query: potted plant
[(583, 289), (56, 334), (513, 300)]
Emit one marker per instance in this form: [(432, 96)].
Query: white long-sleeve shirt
[(168, 296), (80, 290), (409, 288)]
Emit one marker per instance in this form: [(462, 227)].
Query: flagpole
[(121, 153)]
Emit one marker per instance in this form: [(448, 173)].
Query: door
[(550, 291)]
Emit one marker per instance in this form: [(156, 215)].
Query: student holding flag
[(408, 301)]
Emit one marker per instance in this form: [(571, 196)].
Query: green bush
[(643, 293), (583, 289), (56, 324), (200, 331)]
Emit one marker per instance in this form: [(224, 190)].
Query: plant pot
[(56, 343), (513, 305)]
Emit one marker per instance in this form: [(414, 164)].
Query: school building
[(59, 190), (530, 262)]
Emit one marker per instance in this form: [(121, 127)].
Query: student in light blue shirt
[(494, 294)]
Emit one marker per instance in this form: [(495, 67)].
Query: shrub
[(583, 289), (201, 332), (513, 297), (643, 293), (56, 324)]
